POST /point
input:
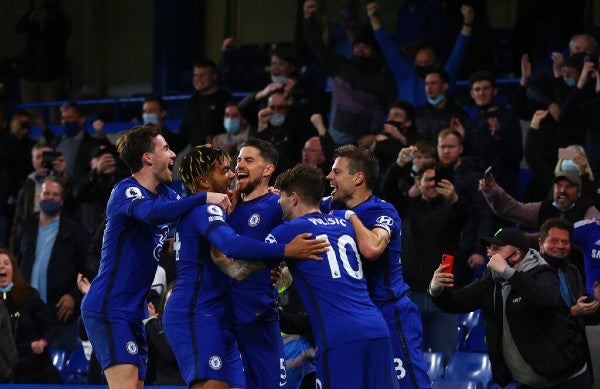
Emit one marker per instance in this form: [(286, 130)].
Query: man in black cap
[(529, 334), (566, 202)]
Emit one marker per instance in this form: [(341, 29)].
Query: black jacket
[(68, 258), (539, 323), (32, 321)]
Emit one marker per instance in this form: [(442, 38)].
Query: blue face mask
[(150, 118), (279, 79), (436, 100), (70, 129), (569, 164), (277, 119), (50, 207), (569, 81), (7, 288), (231, 125)]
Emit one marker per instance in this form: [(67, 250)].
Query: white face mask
[(277, 119), (279, 79)]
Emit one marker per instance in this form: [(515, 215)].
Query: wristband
[(348, 213)]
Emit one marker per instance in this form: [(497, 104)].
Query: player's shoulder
[(129, 189)]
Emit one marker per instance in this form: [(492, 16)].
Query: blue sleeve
[(156, 212), (223, 238), (402, 69), (456, 58)]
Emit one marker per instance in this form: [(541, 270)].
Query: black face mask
[(422, 71), (398, 125)]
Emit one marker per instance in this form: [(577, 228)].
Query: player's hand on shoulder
[(303, 247)]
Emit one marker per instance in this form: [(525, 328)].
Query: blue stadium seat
[(58, 357), (469, 366), (471, 319), (435, 365), (461, 334), (475, 340), (76, 368), (456, 384)]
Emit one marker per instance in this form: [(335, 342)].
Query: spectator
[(582, 106), (15, 148), (361, 86), (44, 62), (203, 113), (50, 249), (530, 337), (464, 173), (33, 326), (431, 226), (440, 111), (92, 192), (76, 143), (397, 132), (544, 138), (285, 128), (494, 134), (573, 158), (555, 246), (237, 130), (401, 175), (8, 348), (566, 202), (409, 76)]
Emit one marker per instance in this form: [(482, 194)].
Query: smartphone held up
[(447, 259)]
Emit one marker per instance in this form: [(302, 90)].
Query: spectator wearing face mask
[(409, 75), (236, 130), (51, 250), (573, 158), (285, 128)]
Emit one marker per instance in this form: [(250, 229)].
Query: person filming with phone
[(530, 337)]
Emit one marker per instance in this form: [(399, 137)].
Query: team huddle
[(221, 319)]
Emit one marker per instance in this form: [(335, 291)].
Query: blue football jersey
[(205, 226), (587, 235), (333, 290), (256, 295), (384, 275), (201, 288), (131, 250)]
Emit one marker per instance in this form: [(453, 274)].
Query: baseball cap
[(507, 236), (570, 175), (104, 149)]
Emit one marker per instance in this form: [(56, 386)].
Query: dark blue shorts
[(262, 353), (206, 350), (406, 334), (117, 340), (357, 365)]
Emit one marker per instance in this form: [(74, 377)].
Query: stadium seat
[(456, 384), (461, 334), (471, 319), (475, 340), (469, 366), (435, 365), (58, 357), (76, 368)]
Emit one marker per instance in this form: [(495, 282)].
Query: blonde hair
[(580, 151)]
